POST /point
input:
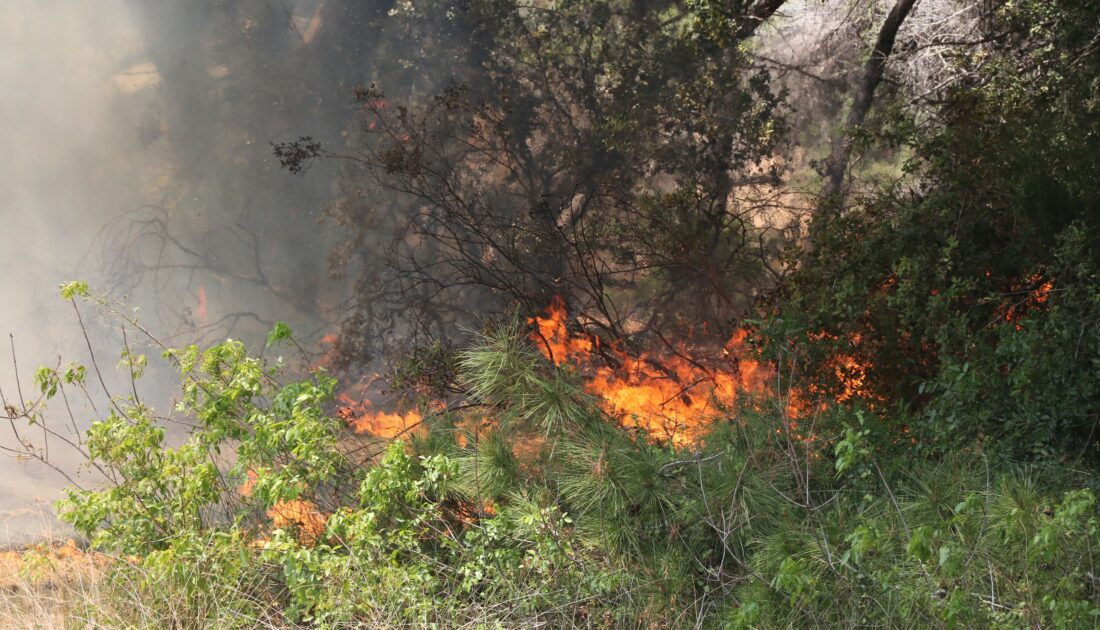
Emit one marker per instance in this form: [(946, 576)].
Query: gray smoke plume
[(135, 156)]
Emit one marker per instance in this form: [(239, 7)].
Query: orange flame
[(669, 397), (45, 562), (852, 376), (245, 489), (553, 337), (362, 419), (200, 309), (300, 515), (330, 343)]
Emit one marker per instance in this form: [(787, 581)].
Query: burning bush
[(535, 503)]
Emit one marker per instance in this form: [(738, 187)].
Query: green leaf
[(920, 545), (69, 290), (279, 332)]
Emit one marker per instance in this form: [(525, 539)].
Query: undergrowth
[(548, 513)]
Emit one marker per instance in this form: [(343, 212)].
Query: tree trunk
[(837, 163)]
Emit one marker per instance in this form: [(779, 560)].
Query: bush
[(550, 513)]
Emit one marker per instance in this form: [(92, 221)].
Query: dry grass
[(58, 585), (49, 585)]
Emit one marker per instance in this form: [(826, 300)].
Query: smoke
[(136, 157), (67, 139)]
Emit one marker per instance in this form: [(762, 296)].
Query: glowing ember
[(1013, 312), (1042, 294), (852, 376), (852, 381)]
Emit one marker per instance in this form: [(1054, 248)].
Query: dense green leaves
[(570, 522), (970, 288)]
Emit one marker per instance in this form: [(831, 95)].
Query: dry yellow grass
[(57, 585), (46, 585)]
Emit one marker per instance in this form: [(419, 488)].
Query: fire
[(47, 562), (852, 376), (362, 419), (200, 308), (331, 353), (68, 550), (553, 336), (1037, 297), (245, 489), (300, 515), (1042, 294), (802, 404), (354, 408), (670, 397)]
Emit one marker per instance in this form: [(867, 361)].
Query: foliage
[(950, 546), (584, 150), (929, 457), (969, 285), (549, 513)]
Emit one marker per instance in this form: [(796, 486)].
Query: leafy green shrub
[(552, 513), (968, 285), (948, 548)]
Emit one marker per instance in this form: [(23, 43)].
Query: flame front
[(670, 397), (46, 562), (553, 338), (362, 419)]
